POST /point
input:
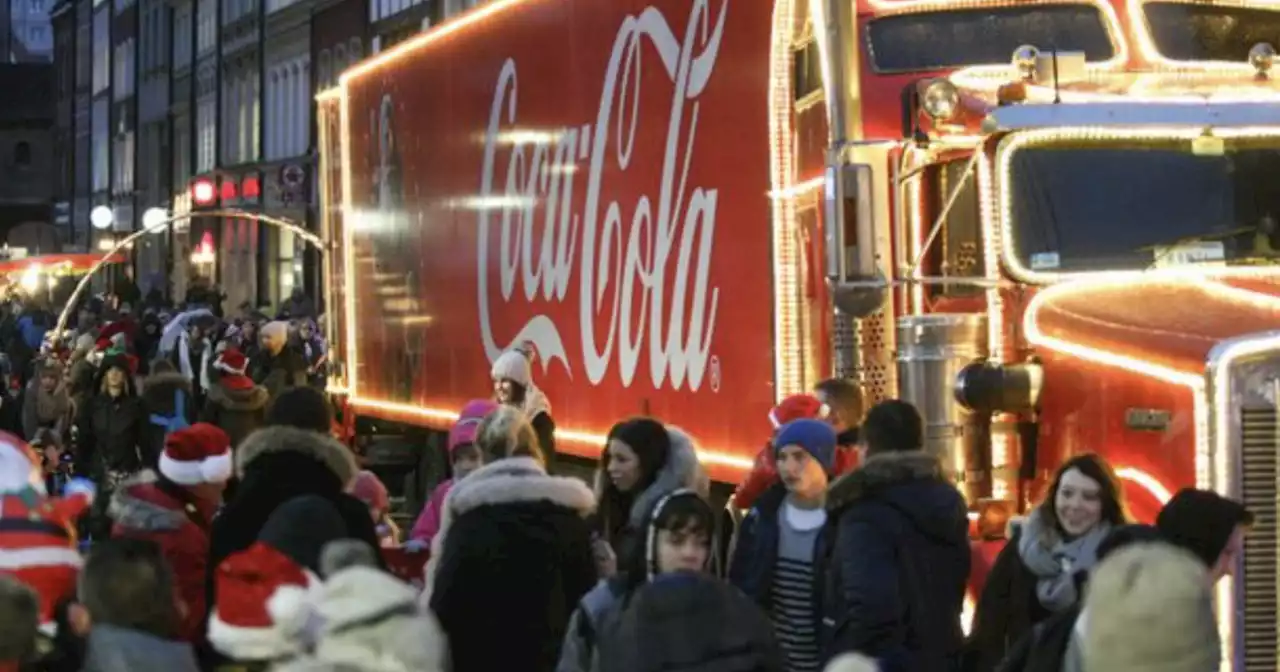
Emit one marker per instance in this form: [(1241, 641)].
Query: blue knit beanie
[(816, 437)]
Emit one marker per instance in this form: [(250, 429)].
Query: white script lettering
[(616, 265)]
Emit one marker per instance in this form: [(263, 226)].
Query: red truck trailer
[(579, 177)]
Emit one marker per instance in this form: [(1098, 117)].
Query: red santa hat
[(198, 454), (798, 407), (233, 365), (38, 543), (256, 588)]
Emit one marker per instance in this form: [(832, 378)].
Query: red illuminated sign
[(250, 187), (228, 190), (202, 192)]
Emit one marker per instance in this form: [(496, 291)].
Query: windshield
[(1185, 32), (924, 41), (1096, 206)]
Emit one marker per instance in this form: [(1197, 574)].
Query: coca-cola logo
[(665, 243)]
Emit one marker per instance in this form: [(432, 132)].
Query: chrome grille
[(1260, 484)]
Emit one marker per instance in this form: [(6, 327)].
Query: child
[(677, 538), (368, 489), (55, 462), (465, 458)]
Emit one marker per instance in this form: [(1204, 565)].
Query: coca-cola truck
[(1051, 225)]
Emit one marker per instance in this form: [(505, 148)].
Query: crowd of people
[(174, 498)]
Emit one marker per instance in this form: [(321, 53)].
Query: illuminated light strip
[(330, 94), (1002, 486), (1150, 53), (787, 373), (1115, 29), (460, 22), (1194, 382), (967, 614), (348, 239), (1119, 39), (798, 190), (1147, 482), (587, 438), (1013, 142)]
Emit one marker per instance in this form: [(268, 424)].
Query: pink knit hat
[(468, 425), (368, 488)]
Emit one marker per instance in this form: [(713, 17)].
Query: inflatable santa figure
[(38, 542)]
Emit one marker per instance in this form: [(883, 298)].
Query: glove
[(416, 546)]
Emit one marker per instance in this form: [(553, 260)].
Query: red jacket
[(179, 524)]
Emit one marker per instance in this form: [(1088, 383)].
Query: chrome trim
[(1226, 357), (1015, 117)]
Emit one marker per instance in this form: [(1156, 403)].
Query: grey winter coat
[(595, 609)]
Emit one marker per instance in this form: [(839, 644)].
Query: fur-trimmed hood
[(911, 482), (514, 480), (681, 470), (158, 390), (323, 448), (255, 398)]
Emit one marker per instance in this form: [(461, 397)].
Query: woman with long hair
[(1043, 568), (643, 460)]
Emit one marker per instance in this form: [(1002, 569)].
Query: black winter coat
[(689, 621), (110, 434), (1008, 608), (514, 561), (279, 464), (1044, 648), (896, 579)]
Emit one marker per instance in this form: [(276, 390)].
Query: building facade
[(154, 97), (26, 32), (27, 168)]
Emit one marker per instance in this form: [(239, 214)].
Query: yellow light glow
[(586, 438), (787, 343), (801, 189), (1147, 482), (967, 613), (468, 19), (31, 278), (1013, 142)]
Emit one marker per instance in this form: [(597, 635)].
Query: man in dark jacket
[(279, 366), (895, 581), (276, 465)]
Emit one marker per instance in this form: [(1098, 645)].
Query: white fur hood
[(514, 480), (682, 470)]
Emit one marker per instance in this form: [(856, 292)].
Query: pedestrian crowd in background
[(174, 498)]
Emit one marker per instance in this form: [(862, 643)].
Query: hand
[(606, 561)]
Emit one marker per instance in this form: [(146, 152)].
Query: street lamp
[(101, 217), (154, 218)]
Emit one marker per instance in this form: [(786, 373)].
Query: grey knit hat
[(1136, 598)]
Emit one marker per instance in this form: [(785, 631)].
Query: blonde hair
[(505, 433)]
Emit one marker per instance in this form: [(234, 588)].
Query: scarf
[(1055, 561)]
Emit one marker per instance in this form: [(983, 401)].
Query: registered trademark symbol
[(715, 373)]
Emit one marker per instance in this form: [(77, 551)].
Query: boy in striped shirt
[(780, 542)]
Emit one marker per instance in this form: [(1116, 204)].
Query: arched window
[(22, 154)]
